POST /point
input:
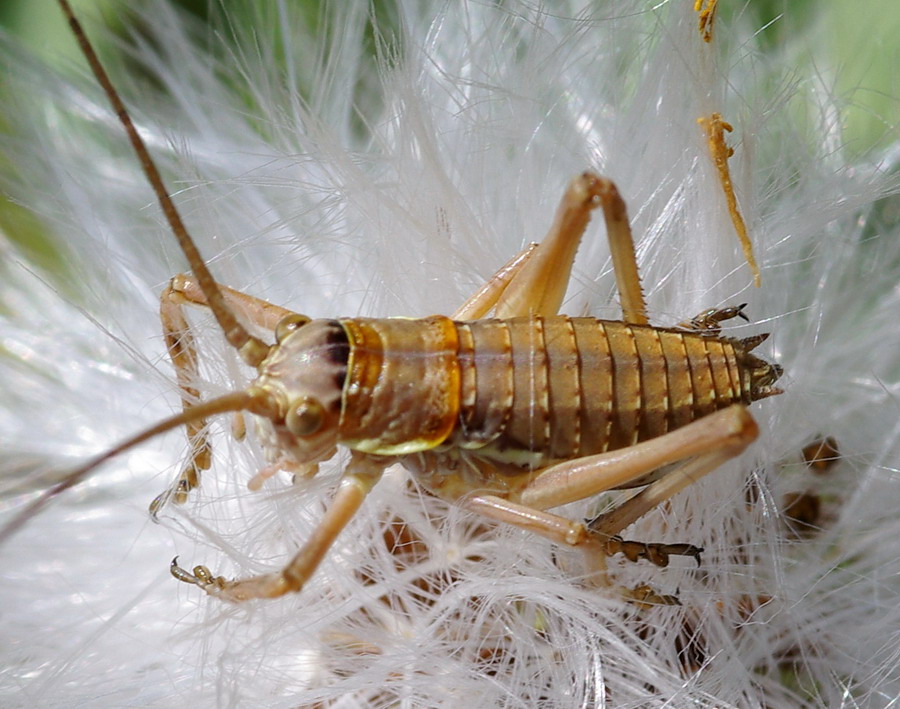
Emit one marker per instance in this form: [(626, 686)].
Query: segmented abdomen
[(566, 387), (528, 391)]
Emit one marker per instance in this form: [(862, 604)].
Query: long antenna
[(255, 400), (252, 349)]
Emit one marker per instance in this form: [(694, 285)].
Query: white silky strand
[(335, 183)]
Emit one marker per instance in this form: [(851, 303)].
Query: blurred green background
[(849, 47), (854, 44)]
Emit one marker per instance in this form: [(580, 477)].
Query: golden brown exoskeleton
[(505, 397), (508, 415)]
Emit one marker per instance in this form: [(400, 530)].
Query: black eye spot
[(337, 347), (340, 376)]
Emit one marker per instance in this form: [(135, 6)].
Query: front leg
[(182, 291), (359, 478), (183, 353)]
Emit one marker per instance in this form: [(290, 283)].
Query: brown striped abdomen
[(528, 391), (536, 390)]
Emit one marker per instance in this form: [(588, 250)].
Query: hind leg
[(697, 448), (535, 281)]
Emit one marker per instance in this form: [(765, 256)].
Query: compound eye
[(304, 417), (288, 324)]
